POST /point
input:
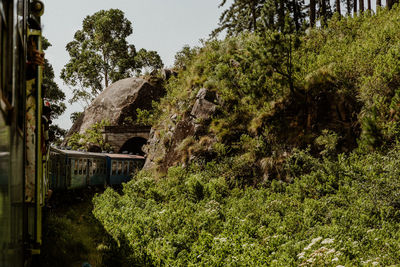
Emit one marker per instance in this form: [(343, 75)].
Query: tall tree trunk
[(354, 7), (348, 7), (281, 15), (312, 13), (296, 15), (338, 6), (378, 3), (106, 79), (253, 14), (361, 6), (323, 12), (369, 5), (390, 3)]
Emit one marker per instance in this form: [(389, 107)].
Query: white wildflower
[(221, 239), (335, 259), (327, 241), (310, 260), (315, 240), (332, 250), (301, 255)]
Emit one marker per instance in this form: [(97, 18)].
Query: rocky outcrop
[(162, 149), (118, 103)]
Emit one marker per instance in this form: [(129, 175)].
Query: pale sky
[(161, 25)]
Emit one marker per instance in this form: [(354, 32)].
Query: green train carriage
[(22, 183), (69, 169)]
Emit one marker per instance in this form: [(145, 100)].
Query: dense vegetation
[(298, 166)]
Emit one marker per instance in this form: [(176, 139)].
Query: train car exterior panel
[(20, 207), (122, 167), (91, 169)]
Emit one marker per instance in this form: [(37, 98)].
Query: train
[(29, 167), (23, 148), (69, 169)]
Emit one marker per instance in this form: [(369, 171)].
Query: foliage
[(56, 134), (260, 15), (100, 55), (52, 92), (92, 137), (183, 57), (342, 212), (75, 116), (287, 89), (303, 167), (54, 96)]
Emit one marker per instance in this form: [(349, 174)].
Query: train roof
[(120, 156), (94, 154)]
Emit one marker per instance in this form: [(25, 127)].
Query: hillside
[(274, 149)]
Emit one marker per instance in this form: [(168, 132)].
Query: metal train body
[(22, 166), (75, 169)]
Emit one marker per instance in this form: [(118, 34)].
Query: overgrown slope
[(298, 163)]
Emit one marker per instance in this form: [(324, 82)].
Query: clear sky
[(161, 25)]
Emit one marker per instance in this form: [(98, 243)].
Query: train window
[(80, 167), (119, 167), (92, 165), (3, 32), (75, 164), (84, 163), (126, 167), (114, 168)]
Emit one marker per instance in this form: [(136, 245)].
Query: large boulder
[(162, 149), (119, 102)]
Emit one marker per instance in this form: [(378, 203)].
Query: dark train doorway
[(94, 148), (134, 146)]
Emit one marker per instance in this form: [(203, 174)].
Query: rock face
[(118, 102), (161, 149)]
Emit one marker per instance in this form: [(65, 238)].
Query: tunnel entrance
[(94, 148), (134, 146)]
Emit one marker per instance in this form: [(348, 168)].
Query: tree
[(337, 3), (51, 91), (354, 7), (312, 12), (242, 15), (361, 8), (390, 3), (369, 5), (75, 115), (259, 15), (183, 57), (100, 54)]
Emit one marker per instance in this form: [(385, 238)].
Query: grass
[(72, 236)]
